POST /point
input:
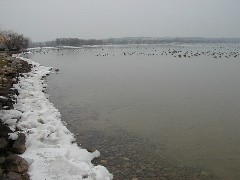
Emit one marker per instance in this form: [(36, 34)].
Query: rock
[(29, 161), (104, 161), (1, 172), (19, 145), (85, 176), (3, 143), (16, 164), (12, 176), (16, 91), (12, 74), (126, 159), (91, 150), (4, 130), (25, 176), (2, 159), (3, 99)]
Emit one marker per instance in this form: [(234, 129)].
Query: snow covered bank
[(50, 148)]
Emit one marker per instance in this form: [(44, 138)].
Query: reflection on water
[(152, 111)]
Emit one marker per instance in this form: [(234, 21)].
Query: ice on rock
[(50, 148)]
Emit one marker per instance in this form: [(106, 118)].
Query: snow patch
[(50, 148), (13, 136)]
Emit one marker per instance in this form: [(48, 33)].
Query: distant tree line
[(132, 40), (76, 42), (68, 42), (13, 41), (170, 40)]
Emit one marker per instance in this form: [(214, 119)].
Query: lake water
[(151, 112)]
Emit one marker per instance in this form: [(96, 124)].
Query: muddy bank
[(12, 143)]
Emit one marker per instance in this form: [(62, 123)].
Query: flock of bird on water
[(178, 52)]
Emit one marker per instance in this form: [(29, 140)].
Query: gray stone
[(16, 164), (19, 145), (4, 130), (12, 176), (91, 150), (1, 172), (3, 143), (2, 159), (25, 176)]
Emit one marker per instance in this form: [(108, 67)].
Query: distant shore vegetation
[(131, 40)]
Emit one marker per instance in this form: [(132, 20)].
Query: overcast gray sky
[(48, 19)]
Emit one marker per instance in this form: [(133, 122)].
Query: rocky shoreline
[(12, 142)]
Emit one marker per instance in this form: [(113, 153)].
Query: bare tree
[(15, 41)]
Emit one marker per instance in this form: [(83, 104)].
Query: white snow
[(50, 145), (13, 136)]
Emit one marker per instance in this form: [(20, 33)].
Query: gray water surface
[(152, 115)]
